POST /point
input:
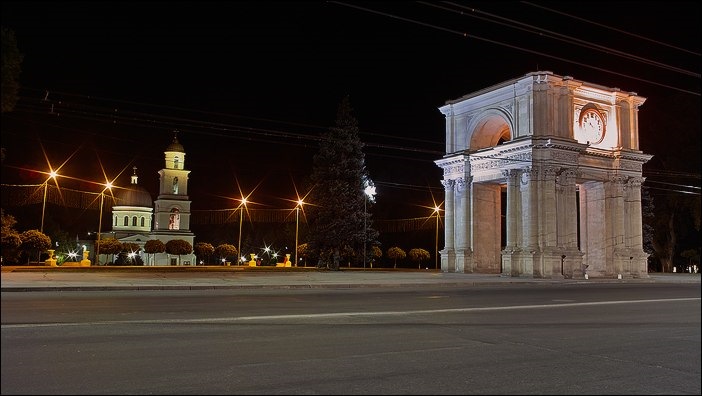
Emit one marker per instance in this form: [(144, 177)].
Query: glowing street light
[(108, 186), (52, 175), (436, 210), (369, 193), (242, 206), (297, 222)]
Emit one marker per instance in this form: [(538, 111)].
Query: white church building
[(542, 177), (136, 218)]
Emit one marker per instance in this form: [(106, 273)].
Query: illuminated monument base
[(542, 179), (83, 263)]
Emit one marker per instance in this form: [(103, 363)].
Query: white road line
[(346, 314)]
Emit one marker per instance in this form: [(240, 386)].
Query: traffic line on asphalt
[(346, 314)]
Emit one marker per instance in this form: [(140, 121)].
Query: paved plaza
[(184, 278)]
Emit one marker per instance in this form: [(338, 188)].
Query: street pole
[(368, 192), (52, 175), (297, 222), (108, 186), (43, 207), (365, 230), (97, 245), (241, 220), (437, 239), (242, 206)]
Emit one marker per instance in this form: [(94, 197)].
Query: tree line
[(31, 246)]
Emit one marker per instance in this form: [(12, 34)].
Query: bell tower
[(172, 207)]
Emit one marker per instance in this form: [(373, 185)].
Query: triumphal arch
[(542, 178)]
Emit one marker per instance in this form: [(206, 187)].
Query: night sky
[(250, 85)]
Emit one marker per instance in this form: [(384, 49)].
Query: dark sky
[(249, 85)]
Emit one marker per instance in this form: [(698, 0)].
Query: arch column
[(638, 258), (448, 254), (509, 262), (551, 201), (568, 225), (464, 224), (529, 194), (616, 251)]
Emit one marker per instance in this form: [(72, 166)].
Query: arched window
[(126, 221), (175, 162), (175, 185), (114, 221), (142, 221), (174, 219), (134, 221)]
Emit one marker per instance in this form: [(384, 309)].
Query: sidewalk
[(201, 278)]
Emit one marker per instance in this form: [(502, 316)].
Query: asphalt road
[(531, 338)]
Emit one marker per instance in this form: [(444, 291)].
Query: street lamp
[(297, 223), (369, 193), (52, 175), (108, 186), (242, 205), (436, 210)]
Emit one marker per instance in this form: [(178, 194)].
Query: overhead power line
[(557, 36), (465, 34), (233, 131), (612, 28)]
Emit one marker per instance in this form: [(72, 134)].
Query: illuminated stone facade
[(172, 207), (542, 178), (132, 216)]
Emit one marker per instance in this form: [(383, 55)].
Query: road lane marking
[(346, 314)]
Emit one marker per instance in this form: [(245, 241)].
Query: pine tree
[(336, 214), (11, 69)]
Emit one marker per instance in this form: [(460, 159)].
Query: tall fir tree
[(11, 69), (338, 217)]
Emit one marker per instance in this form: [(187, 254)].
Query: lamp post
[(297, 223), (436, 210), (52, 175), (368, 193), (108, 186), (242, 205)]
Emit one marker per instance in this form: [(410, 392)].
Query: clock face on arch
[(592, 126)]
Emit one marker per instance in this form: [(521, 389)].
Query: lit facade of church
[(136, 218)]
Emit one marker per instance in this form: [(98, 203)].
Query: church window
[(142, 221), (174, 219), (175, 185), (175, 162), (126, 221), (134, 221), (114, 221)]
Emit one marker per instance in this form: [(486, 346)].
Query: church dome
[(175, 146), (134, 195)]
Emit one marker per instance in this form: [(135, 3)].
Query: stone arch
[(567, 209), (492, 128)]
